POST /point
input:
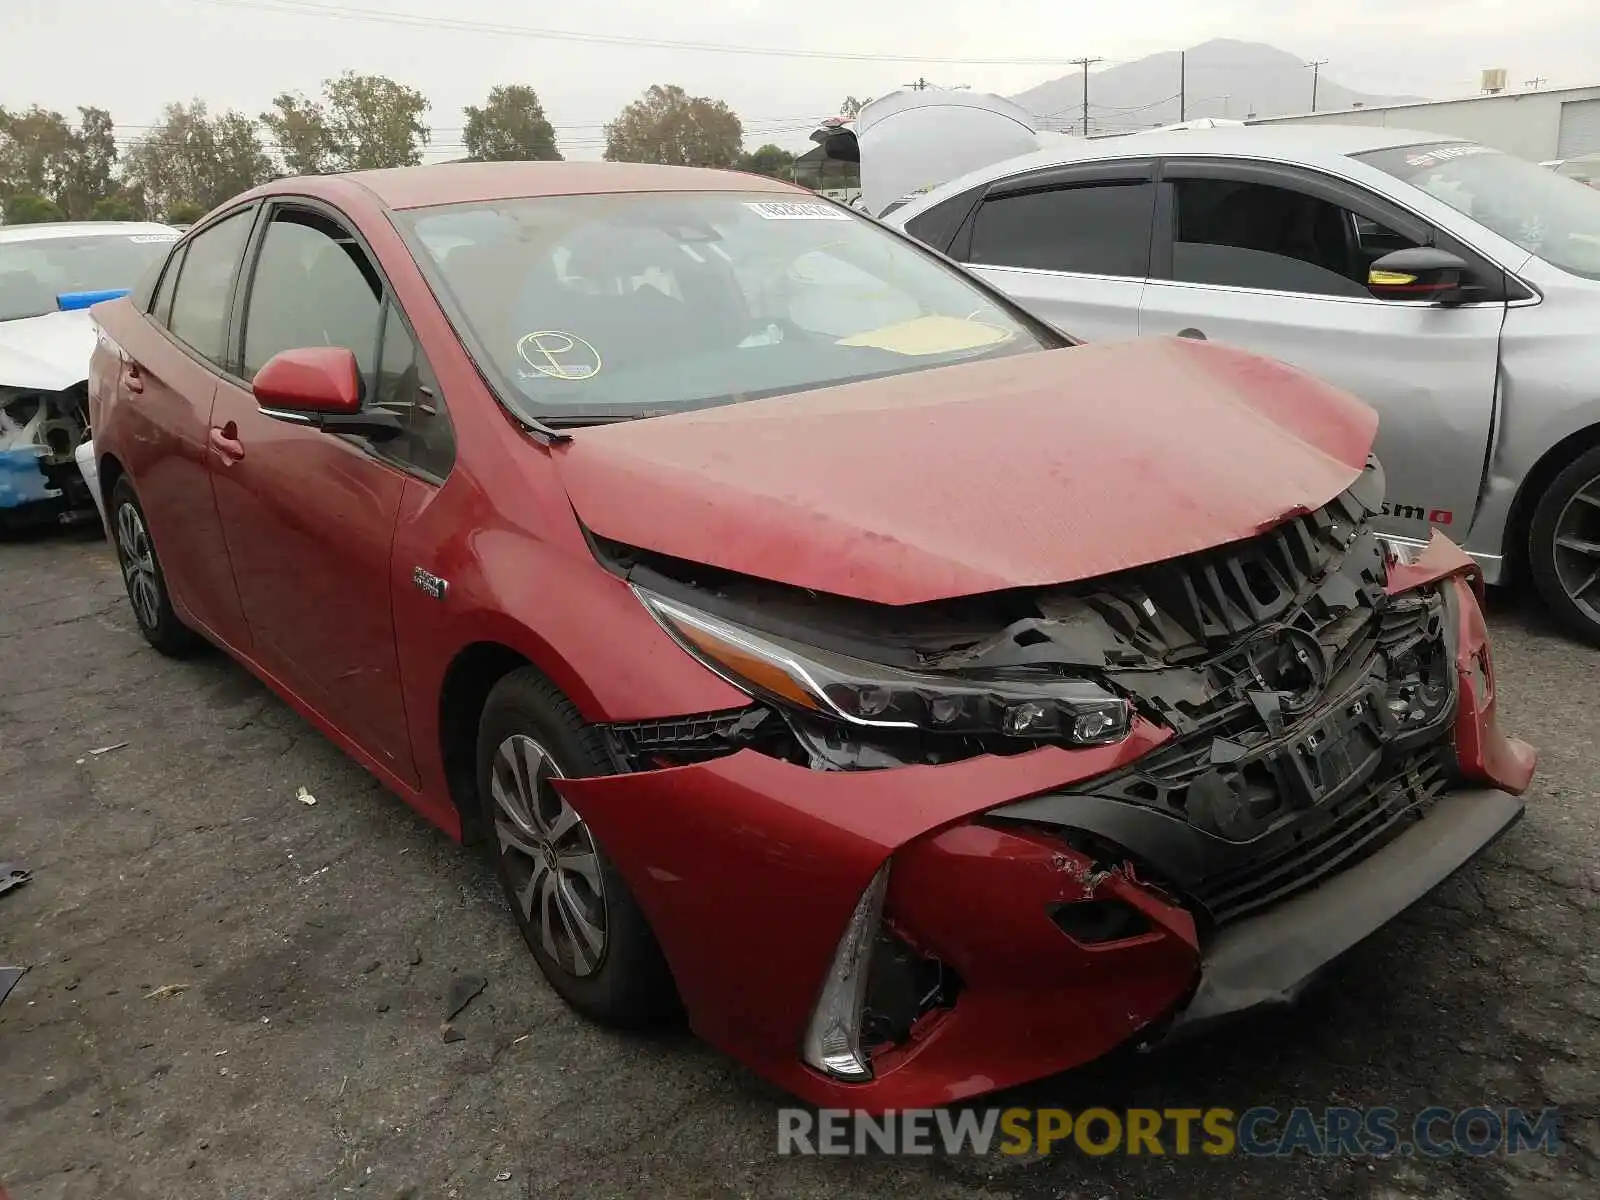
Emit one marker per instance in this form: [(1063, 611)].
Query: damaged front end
[(953, 846), (40, 432)]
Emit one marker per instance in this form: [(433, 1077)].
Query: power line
[(313, 8)]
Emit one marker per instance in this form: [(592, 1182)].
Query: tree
[(510, 125), (41, 155), (34, 148), (361, 122), (113, 208), (91, 160), (300, 127), (193, 157), (23, 209), (667, 125), (185, 212), (374, 122), (768, 160), (852, 107)]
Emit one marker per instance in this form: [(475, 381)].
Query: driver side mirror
[(321, 386), (1418, 273)]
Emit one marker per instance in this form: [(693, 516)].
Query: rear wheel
[(143, 577), (576, 913), (1564, 547)]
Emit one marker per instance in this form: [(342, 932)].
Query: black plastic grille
[(647, 744), (1185, 606), (1162, 778), (1329, 838)]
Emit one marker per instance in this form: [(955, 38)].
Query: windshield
[(35, 271), (1556, 218), (636, 304)]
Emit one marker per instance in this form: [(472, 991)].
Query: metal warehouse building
[(1536, 125)]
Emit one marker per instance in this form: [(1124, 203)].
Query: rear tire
[(142, 576), (570, 902), (1564, 547)]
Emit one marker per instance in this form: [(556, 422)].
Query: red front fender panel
[(748, 869), (1486, 755)]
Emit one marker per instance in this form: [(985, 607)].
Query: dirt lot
[(307, 951)]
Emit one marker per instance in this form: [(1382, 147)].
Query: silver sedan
[(1454, 288)]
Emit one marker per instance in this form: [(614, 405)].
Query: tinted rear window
[(1098, 230)]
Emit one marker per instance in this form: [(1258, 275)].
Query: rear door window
[(1094, 229), (204, 293)]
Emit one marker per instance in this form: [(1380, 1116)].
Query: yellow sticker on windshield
[(930, 335), (556, 355)]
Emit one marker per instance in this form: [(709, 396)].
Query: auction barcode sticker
[(793, 210)]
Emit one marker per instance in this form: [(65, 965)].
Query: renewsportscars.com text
[(1259, 1132)]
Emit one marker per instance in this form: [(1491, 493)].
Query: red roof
[(456, 183)]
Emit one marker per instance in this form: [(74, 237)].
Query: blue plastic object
[(67, 301), (22, 478)]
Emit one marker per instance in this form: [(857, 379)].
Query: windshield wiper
[(579, 420)]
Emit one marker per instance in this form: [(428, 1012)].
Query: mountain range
[(1220, 78)]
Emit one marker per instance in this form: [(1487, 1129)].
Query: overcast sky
[(132, 56)]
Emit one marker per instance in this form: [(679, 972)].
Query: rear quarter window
[(939, 225)]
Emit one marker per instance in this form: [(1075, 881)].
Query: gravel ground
[(234, 994)]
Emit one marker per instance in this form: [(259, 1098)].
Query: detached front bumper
[(750, 870)]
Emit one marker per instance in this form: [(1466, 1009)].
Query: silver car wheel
[(549, 856), (1577, 549), (138, 566)]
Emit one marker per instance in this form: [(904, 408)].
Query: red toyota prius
[(922, 701)]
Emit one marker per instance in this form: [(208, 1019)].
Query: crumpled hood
[(1016, 472), (48, 352)]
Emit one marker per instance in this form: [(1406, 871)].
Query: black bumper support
[(1268, 959)]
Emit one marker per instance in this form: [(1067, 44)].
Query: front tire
[(1564, 547), (142, 576), (570, 902)]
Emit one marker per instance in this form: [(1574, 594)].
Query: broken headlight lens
[(1401, 553), (1032, 705)]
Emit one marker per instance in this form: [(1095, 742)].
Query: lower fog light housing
[(1100, 922), (833, 1039)]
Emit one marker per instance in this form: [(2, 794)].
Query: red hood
[(1023, 471)]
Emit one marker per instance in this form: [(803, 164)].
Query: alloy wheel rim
[(549, 856), (138, 559), (1577, 549)]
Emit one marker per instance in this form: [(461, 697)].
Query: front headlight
[(1023, 704)]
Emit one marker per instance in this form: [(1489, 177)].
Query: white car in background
[(49, 275)]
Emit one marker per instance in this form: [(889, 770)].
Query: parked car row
[(826, 646)]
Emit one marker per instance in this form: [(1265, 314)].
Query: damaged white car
[(49, 276)]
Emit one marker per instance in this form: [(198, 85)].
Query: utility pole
[(1536, 83), (1316, 65), (1183, 72), (1084, 64)]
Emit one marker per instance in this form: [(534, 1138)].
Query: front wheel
[(576, 913), (1564, 547), (144, 579)]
